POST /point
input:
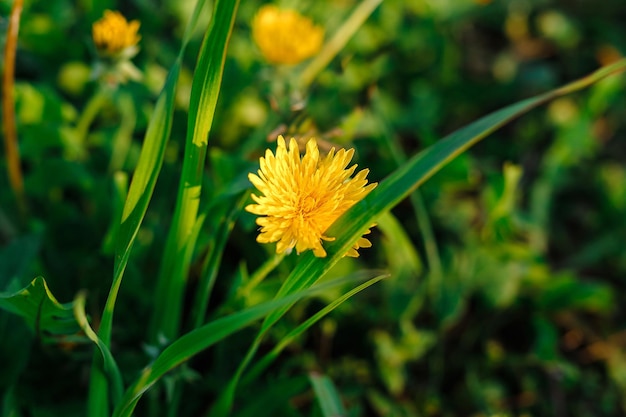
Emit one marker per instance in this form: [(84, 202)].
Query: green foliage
[(503, 263)]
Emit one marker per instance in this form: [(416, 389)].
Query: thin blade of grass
[(261, 365), (201, 338), (139, 195), (204, 93), (137, 200), (110, 366)]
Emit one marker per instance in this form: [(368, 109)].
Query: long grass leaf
[(411, 175), (261, 365), (138, 198), (204, 93), (205, 336), (109, 364), (397, 186), (139, 195)]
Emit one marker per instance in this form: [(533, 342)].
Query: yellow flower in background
[(285, 36), (114, 35), (303, 196)]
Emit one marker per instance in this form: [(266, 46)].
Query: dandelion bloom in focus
[(285, 36), (114, 35), (303, 196)]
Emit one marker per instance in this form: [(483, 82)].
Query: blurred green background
[(508, 269)]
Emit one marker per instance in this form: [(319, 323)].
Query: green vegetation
[(131, 281)]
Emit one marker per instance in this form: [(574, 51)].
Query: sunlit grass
[(494, 274)]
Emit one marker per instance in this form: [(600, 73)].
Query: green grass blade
[(411, 175), (197, 340), (261, 365), (109, 365), (354, 222), (327, 396), (204, 93), (214, 257), (139, 195)]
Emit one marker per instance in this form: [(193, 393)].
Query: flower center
[(307, 204)]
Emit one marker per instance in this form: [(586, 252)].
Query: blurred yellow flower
[(303, 196), (285, 36), (113, 34)]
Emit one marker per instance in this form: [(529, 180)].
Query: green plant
[(191, 248)]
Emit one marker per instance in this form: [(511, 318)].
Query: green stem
[(124, 135), (109, 364), (77, 147), (338, 41)]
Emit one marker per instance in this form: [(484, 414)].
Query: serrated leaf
[(42, 312)]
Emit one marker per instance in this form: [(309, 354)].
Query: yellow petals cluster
[(113, 34), (303, 196), (285, 36)]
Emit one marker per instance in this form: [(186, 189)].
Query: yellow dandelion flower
[(113, 34), (285, 36), (303, 196)]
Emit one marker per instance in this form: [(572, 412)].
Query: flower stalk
[(16, 179)]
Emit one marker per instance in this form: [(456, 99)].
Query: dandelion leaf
[(48, 318)]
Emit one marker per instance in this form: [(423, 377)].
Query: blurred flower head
[(285, 36), (116, 40), (303, 196), (114, 36)]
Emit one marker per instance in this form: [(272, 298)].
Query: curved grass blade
[(205, 336), (204, 93), (139, 195), (397, 186), (109, 364), (261, 365)]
